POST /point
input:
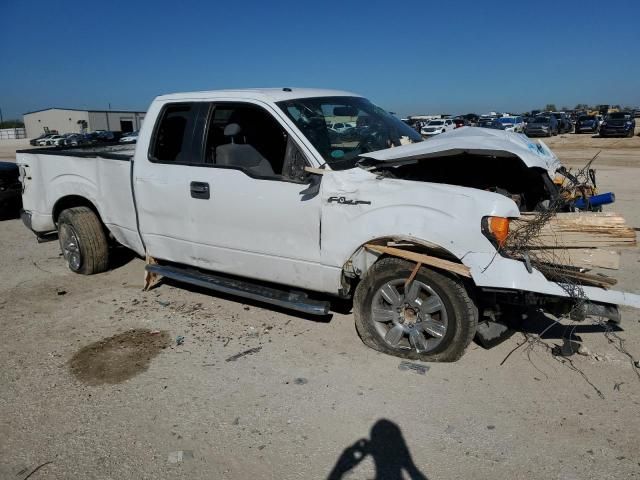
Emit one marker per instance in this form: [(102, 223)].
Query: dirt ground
[(101, 380)]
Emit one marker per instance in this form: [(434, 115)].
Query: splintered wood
[(577, 240), (580, 230)]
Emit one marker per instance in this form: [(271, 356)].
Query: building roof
[(85, 110)]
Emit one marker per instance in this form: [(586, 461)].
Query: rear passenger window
[(173, 137)]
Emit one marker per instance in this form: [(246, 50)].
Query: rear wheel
[(434, 319), (83, 241)]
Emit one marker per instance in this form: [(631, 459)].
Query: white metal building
[(70, 120)]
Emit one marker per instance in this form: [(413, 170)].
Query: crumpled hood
[(474, 140)]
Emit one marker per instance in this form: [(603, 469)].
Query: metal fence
[(12, 133)]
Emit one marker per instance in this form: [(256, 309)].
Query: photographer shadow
[(388, 451)]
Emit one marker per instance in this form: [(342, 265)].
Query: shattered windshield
[(541, 120), (375, 129), (435, 122), (507, 120)]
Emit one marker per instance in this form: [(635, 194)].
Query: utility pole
[(1, 120)]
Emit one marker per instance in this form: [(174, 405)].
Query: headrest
[(232, 130)]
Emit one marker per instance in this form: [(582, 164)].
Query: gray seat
[(242, 155)]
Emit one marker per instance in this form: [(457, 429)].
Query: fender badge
[(345, 201)]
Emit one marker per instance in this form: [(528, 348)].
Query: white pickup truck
[(246, 192)]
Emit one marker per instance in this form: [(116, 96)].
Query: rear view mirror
[(345, 111)]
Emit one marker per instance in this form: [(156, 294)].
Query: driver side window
[(247, 137)]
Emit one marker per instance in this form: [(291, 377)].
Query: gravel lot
[(306, 399)]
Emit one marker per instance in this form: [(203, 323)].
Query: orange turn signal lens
[(499, 229)]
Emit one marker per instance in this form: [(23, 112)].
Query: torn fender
[(358, 207)]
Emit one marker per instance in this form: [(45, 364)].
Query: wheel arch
[(71, 201), (362, 259)]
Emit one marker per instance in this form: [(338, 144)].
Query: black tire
[(88, 252), (461, 311)]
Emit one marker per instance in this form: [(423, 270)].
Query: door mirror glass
[(294, 163)]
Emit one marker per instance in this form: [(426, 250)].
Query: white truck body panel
[(270, 230), (104, 182)]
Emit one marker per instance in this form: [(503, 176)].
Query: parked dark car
[(587, 123), (619, 124), (105, 136), (489, 123), (10, 190), (76, 139), (460, 122), (542, 126), (564, 122)]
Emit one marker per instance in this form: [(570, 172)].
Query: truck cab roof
[(264, 94)]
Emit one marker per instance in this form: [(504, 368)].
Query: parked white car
[(436, 127), (131, 137), (243, 192), (512, 124), (54, 140), (341, 126)]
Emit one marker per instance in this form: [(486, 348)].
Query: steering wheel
[(374, 141), (368, 143)]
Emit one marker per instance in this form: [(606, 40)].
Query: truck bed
[(102, 174), (114, 151)]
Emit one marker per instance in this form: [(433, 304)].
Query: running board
[(292, 300)]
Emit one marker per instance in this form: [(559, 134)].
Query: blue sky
[(409, 57)]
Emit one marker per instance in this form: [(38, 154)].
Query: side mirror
[(314, 179)]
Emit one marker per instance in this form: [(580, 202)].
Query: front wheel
[(83, 241), (433, 320)]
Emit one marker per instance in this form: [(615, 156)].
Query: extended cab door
[(223, 189)]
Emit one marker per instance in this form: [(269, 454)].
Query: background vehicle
[(51, 140), (512, 124), (74, 140), (489, 123), (341, 126), (10, 189), (542, 126), (436, 127), (587, 123), (244, 163), (105, 136), (564, 123), (621, 124), (44, 136), (131, 137)]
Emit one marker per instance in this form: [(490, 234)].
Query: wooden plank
[(578, 230), (579, 240), (578, 257), (588, 279), (150, 279), (436, 262)]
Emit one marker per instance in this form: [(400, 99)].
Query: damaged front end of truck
[(544, 245)]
